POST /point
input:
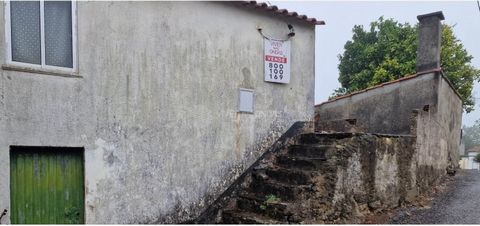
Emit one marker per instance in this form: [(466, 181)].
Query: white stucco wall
[(156, 105)]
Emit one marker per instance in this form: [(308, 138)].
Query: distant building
[(467, 161)]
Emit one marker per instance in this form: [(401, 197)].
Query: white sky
[(341, 16)]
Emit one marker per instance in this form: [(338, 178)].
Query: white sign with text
[(277, 61)]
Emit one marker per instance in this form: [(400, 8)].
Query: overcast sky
[(341, 16)]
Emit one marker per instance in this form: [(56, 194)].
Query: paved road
[(460, 204)]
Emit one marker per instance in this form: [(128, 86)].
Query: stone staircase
[(321, 178), (295, 186)]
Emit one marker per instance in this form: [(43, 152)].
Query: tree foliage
[(471, 135), (388, 51), (477, 158)]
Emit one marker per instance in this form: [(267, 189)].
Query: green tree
[(388, 51), (471, 135), (477, 158)]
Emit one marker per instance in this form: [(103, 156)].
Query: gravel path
[(460, 204)]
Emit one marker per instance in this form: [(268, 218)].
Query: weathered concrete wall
[(438, 132), (450, 119), (431, 160), (156, 105), (386, 109), (436, 110), (345, 125), (371, 173)]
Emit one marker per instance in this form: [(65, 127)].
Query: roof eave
[(282, 12)]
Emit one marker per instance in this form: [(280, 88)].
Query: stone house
[(140, 112)]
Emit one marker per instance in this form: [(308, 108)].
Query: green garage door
[(46, 185)]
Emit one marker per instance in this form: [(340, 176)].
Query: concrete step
[(290, 176), (311, 151), (273, 209), (301, 163), (323, 138), (242, 217), (262, 187)]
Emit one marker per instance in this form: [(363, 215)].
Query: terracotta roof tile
[(282, 12)]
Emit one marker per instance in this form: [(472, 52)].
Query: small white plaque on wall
[(246, 101), (277, 60)]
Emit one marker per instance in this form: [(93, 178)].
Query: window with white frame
[(41, 34)]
